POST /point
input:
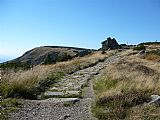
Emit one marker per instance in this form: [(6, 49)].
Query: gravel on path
[(65, 108)]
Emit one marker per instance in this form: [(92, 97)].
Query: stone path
[(65, 100)]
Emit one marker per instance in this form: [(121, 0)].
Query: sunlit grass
[(30, 83), (125, 87)]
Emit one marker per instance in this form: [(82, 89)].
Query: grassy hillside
[(50, 54), (124, 89), (30, 83)]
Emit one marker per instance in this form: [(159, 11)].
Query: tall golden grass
[(28, 84), (125, 87)]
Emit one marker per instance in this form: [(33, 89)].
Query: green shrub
[(140, 47), (15, 66), (103, 52), (150, 43), (155, 52)]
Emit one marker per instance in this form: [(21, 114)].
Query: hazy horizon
[(26, 24), (6, 58)]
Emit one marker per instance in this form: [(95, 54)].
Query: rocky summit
[(110, 44)]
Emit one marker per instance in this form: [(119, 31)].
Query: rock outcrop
[(110, 44)]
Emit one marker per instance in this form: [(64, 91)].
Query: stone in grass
[(54, 89), (77, 88), (142, 52), (155, 99), (53, 94)]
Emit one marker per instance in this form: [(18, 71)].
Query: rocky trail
[(69, 99)]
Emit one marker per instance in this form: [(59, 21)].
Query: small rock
[(34, 113), (54, 88), (70, 84), (76, 76), (94, 73), (64, 117), (155, 99), (77, 87), (142, 52), (38, 103), (73, 92)]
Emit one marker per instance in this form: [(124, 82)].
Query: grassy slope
[(39, 55), (124, 89), (30, 83)]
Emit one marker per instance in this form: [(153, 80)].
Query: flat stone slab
[(76, 76), (63, 99), (73, 92), (50, 94), (54, 88)]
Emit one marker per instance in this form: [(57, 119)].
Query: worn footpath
[(69, 99)]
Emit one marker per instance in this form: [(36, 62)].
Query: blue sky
[(25, 24)]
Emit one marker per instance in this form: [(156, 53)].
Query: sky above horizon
[(25, 24)]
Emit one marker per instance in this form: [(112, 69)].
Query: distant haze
[(5, 58)]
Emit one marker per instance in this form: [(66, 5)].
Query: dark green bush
[(103, 52), (156, 52), (140, 47), (15, 66), (149, 43)]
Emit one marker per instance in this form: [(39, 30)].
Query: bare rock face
[(110, 44)]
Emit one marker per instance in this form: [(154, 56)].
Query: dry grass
[(153, 57), (28, 84), (131, 82)]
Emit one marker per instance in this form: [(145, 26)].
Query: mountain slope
[(39, 55)]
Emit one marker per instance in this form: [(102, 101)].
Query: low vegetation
[(30, 83), (14, 66), (153, 55), (150, 43), (140, 47), (7, 106), (124, 90)]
